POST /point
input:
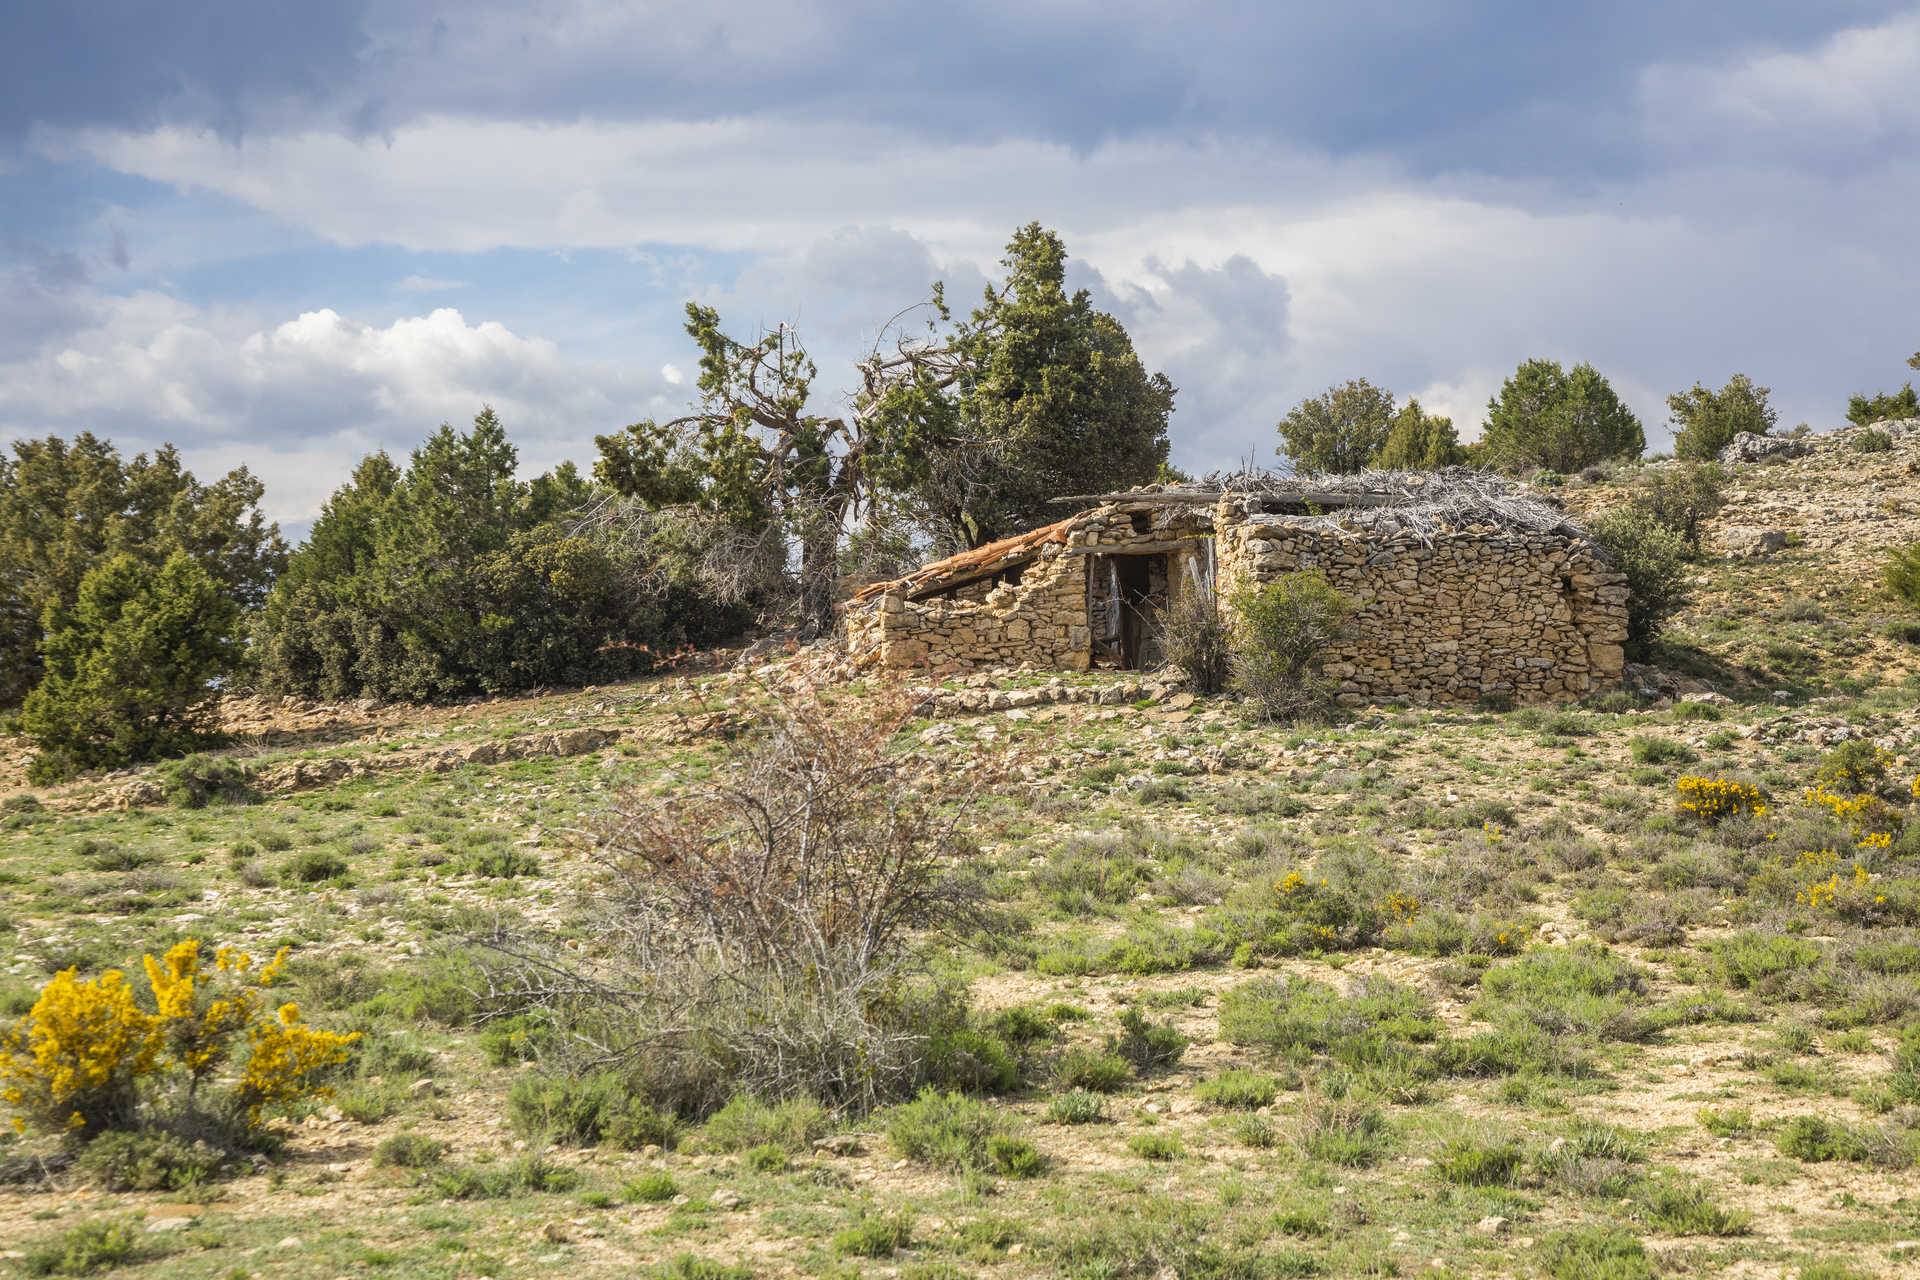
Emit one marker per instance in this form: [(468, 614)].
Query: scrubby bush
[(1902, 573), (948, 1129), (1092, 1069), (1281, 628), (1077, 1106), (586, 1110), (875, 1235), (87, 1058), (1195, 636), (149, 1160), (764, 930), (1147, 1044), (409, 1151), (1871, 442), (1238, 1090), (199, 780), (746, 1121), (1683, 499), (1473, 1163), (99, 1244), (1654, 559)]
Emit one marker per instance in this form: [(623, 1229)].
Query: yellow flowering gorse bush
[(1711, 799), (82, 1057)]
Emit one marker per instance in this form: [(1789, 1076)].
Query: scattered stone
[(1493, 1226), (552, 1232), (1749, 541), (169, 1224), (424, 1088), (727, 1198), (840, 1144), (289, 1242), (1751, 446)]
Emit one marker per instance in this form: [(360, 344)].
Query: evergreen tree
[(1419, 441), (67, 506), (1550, 418), (1035, 395), (130, 666), (1707, 421), (1338, 431)]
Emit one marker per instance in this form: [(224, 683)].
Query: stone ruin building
[(1463, 588)]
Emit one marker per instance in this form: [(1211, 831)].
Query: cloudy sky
[(285, 233)]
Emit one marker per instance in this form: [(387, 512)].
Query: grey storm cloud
[(1500, 87)]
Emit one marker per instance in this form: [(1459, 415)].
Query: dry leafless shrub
[(763, 928)]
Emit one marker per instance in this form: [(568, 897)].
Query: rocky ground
[(1624, 1043)]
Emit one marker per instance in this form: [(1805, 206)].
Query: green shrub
[(409, 1151), (1685, 1210), (1654, 558), (949, 1130), (1726, 1122), (874, 1235), (746, 1122), (1156, 1146), (201, 780), (313, 866), (1857, 766), (1473, 1163), (1016, 1157), (687, 1266), (1584, 990), (148, 1160), (1352, 1136), (1902, 573), (1817, 1138), (1648, 749), (1147, 1044), (656, 1186), (768, 1157), (1238, 1090), (532, 1172), (1078, 1106), (1596, 1253), (587, 1110), (1685, 711), (1280, 630), (1761, 961), (1372, 1023), (1092, 1069), (100, 1244)]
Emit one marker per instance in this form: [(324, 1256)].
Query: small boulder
[(1748, 541), (1751, 446)]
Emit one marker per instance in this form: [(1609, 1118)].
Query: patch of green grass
[(948, 1130), (1238, 1090), (1156, 1146), (1471, 1162), (656, 1186), (1596, 1253), (87, 1248), (873, 1235), (409, 1151), (1077, 1106)]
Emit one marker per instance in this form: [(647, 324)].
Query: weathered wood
[(1274, 497), (1138, 548)]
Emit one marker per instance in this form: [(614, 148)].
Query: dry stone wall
[(1483, 611), (1039, 621)]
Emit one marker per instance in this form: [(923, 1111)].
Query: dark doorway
[(1142, 591)]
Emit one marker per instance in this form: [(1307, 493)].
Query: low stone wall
[(1484, 611), (1040, 621)]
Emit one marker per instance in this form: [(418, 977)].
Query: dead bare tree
[(763, 927)]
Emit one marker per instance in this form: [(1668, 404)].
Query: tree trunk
[(819, 570)]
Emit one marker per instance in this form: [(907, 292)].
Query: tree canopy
[(66, 507), (1707, 421), (1353, 427), (1036, 394), (453, 577), (1556, 419)]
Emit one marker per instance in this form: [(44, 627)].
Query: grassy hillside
[(1425, 992)]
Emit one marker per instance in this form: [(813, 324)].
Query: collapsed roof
[(1424, 504)]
